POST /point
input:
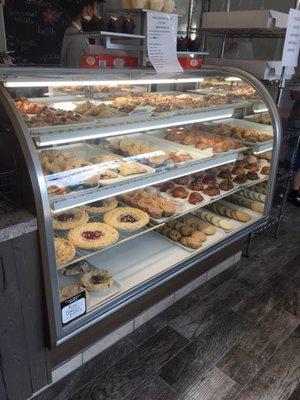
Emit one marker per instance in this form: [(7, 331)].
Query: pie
[(93, 236), (64, 251), (97, 280), (101, 206), (126, 218), (69, 291), (70, 219)]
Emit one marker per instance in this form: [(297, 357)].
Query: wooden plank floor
[(235, 338)]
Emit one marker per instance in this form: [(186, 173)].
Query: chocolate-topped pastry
[(212, 190), (195, 198), (240, 179), (226, 185), (180, 192), (183, 180), (167, 186), (209, 180), (252, 176), (225, 174), (238, 171), (196, 185)]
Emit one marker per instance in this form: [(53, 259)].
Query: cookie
[(69, 219), (126, 218), (93, 236), (97, 280), (64, 251)]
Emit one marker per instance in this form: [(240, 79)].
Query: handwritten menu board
[(34, 31)]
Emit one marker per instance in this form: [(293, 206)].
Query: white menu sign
[(162, 41), (292, 40)]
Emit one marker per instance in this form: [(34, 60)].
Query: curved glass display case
[(137, 176)]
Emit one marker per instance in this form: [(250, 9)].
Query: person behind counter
[(74, 47)]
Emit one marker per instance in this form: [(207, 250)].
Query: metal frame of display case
[(37, 78)]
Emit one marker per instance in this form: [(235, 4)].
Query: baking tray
[(94, 298), (85, 151), (259, 146), (207, 153), (211, 239)]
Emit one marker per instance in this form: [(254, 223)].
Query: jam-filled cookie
[(97, 280), (93, 236), (126, 218), (69, 291), (64, 251), (69, 219), (101, 206)]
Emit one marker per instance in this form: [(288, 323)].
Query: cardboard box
[(257, 19), (103, 61)]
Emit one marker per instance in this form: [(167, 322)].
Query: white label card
[(292, 40), (162, 41), (73, 308)]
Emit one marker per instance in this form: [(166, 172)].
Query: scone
[(69, 291), (93, 236), (64, 251), (69, 219), (97, 280), (101, 206), (126, 218)]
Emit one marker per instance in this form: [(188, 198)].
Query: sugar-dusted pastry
[(126, 218), (70, 219), (97, 280), (64, 251), (93, 236)]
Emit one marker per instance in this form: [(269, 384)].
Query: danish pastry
[(76, 268), (64, 251), (93, 236), (126, 218), (101, 206), (96, 280), (69, 219)]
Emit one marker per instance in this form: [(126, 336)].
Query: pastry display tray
[(207, 153), (258, 147), (114, 126), (84, 151), (94, 299)]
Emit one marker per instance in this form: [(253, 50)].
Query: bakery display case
[(137, 176)]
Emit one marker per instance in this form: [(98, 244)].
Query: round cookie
[(126, 218), (101, 206), (97, 280), (69, 291), (64, 251), (93, 236), (69, 219)]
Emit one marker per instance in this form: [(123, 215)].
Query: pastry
[(69, 219), (226, 185), (184, 180), (180, 192), (57, 191), (238, 171), (212, 190), (252, 167), (195, 198), (252, 176), (209, 180), (93, 236), (196, 185), (64, 251), (225, 174), (215, 220), (101, 206), (240, 179), (129, 168), (200, 236), (252, 205), (265, 170), (179, 156), (67, 292), (76, 268), (126, 218), (97, 280), (192, 242), (167, 186), (198, 175), (174, 235)]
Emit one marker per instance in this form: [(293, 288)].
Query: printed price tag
[(292, 40), (162, 41), (73, 308)]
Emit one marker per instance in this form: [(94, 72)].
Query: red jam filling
[(92, 235), (65, 217), (128, 218)]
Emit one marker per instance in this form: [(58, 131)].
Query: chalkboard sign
[(34, 31)]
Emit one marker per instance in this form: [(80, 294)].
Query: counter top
[(16, 224)]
